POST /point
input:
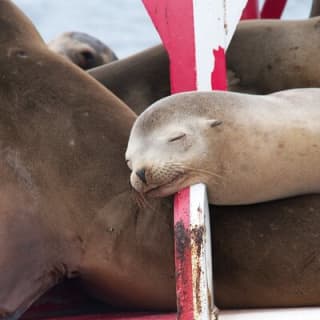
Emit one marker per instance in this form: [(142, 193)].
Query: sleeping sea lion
[(245, 148)]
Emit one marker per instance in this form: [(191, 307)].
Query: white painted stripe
[(271, 314), (233, 12), (202, 283), (209, 34), (214, 25)]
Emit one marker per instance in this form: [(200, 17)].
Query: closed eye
[(178, 137)]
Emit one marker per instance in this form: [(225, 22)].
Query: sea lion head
[(82, 49), (168, 148)]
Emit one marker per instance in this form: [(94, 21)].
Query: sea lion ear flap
[(214, 122)]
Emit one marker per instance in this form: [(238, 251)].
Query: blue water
[(122, 24)]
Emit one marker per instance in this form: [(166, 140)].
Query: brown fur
[(267, 255), (66, 207), (273, 55), (264, 56), (138, 80)]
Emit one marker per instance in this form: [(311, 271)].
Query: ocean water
[(121, 24)]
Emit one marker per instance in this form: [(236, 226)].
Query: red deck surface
[(69, 302), (122, 316)]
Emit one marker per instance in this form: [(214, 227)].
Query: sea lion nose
[(142, 175)]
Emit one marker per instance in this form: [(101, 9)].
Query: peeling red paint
[(183, 256), (182, 240)]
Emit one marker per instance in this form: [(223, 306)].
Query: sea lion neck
[(58, 130), (16, 27)]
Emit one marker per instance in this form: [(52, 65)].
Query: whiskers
[(142, 201), (182, 167), (169, 177)]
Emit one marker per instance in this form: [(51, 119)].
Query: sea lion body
[(82, 49), (267, 255), (272, 55), (138, 80), (246, 148)]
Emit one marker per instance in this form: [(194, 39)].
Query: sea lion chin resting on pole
[(245, 148)]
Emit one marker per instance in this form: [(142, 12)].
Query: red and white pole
[(196, 34)]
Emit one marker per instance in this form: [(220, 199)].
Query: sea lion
[(227, 140), (66, 207), (82, 49), (264, 56)]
